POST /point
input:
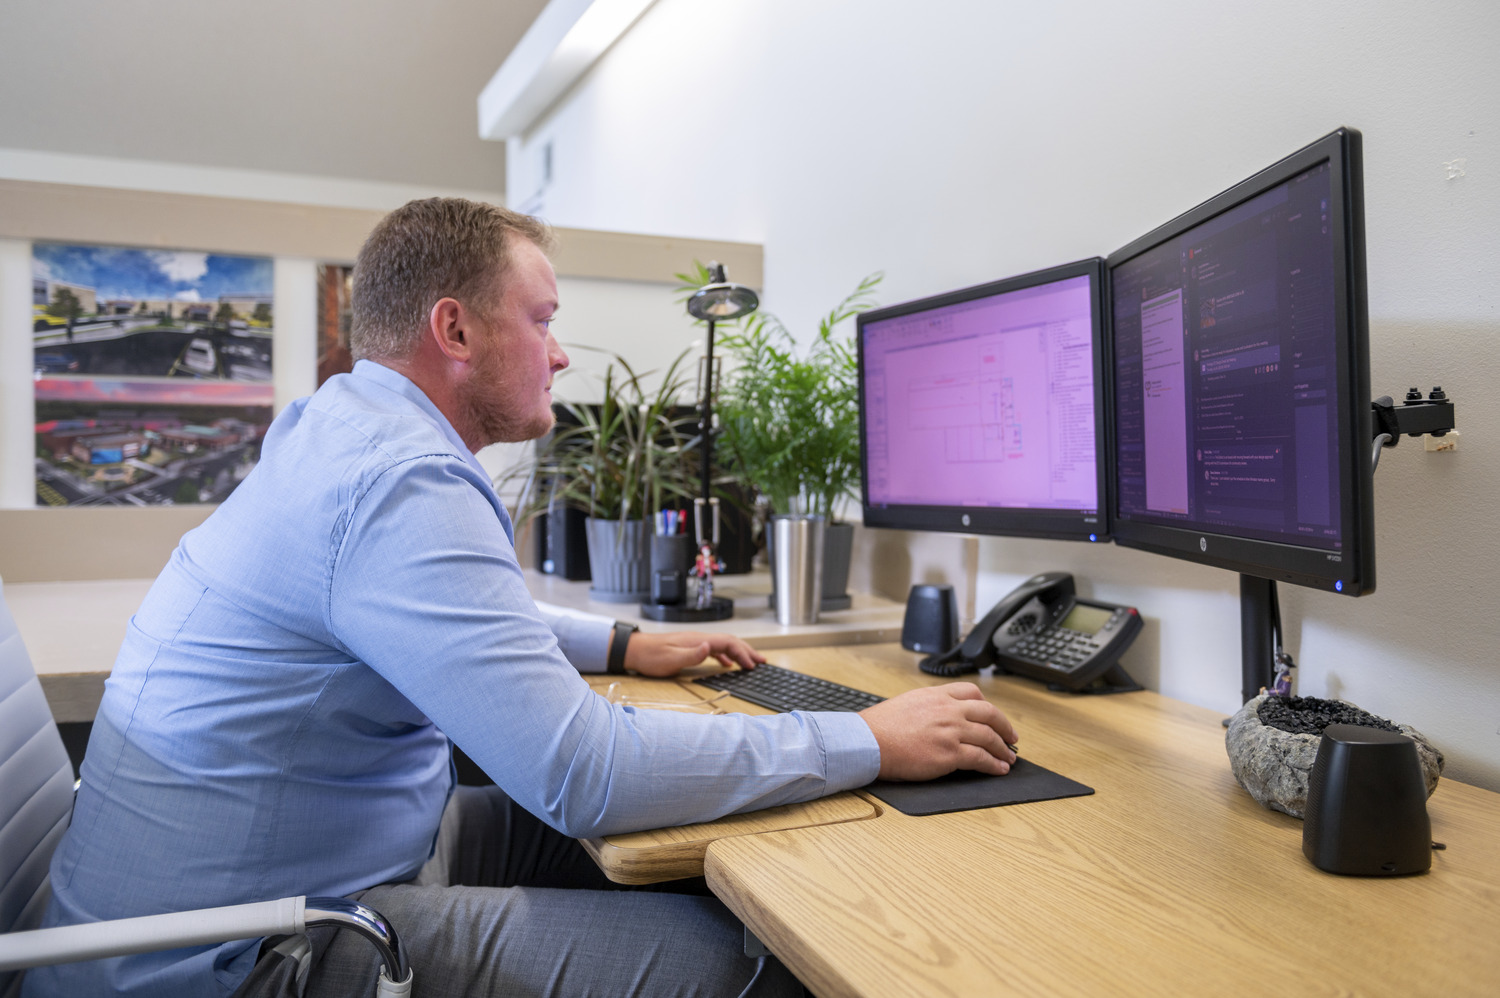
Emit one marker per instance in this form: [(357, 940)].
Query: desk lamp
[(717, 301)]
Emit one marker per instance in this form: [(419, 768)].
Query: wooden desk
[(674, 853), (1169, 880)]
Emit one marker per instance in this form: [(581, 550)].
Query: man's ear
[(450, 327)]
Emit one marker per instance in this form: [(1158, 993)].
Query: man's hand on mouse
[(928, 732)]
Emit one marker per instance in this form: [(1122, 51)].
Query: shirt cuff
[(850, 753), (583, 637)]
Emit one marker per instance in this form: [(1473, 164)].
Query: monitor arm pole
[(1257, 636), (1414, 417)]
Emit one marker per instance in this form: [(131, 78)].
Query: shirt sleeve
[(583, 637), (426, 590)]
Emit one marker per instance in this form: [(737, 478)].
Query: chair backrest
[(36, 787)]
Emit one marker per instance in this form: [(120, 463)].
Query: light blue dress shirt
[(278, 719)]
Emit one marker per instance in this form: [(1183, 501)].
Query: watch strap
[(615, 663)]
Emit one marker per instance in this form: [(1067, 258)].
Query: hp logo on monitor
[(1203, 544)]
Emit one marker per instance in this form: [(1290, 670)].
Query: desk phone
[(1043, 631)]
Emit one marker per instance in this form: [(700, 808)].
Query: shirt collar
[(399, 383)]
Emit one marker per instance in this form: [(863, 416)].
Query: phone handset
[(1022, 610)]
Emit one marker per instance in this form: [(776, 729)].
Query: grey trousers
[(508, 906)]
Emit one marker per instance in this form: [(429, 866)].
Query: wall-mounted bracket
[(1416, 416)]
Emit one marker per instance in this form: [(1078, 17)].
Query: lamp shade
[(722, 302)]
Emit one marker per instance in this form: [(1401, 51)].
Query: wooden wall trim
[(86, 543), (624, 256), (74, 213)]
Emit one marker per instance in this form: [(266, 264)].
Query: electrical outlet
[(1448, 441)]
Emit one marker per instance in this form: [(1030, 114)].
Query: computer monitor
[(981, 410), (1240, 415)]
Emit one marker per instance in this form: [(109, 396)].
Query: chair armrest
[(118, 937), (148, 933), (395, 978)]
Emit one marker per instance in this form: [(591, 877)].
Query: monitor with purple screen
[(981, 410), (1241, 413)]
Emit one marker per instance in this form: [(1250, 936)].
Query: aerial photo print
[(153, 373)]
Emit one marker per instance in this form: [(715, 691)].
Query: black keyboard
[(782, 689)]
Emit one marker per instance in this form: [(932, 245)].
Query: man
[(278, 720)]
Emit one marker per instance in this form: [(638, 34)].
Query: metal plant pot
[(619, 560)]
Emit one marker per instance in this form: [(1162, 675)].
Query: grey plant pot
[(619, 560), (838, 550)]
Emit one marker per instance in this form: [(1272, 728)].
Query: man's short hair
[(425, 251)]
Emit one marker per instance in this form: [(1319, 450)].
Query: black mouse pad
[(966, 790)]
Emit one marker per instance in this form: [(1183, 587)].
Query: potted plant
[(620, 460), (790, 423)]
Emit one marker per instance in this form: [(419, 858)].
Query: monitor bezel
[(1005, 521), (1352, 569)]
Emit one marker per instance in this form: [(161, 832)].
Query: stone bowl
[(1272, 752)]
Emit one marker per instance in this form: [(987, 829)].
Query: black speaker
[(931, 623), (562, 543), (1367, 805)]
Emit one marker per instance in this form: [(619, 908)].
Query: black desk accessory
[(1367, 805), (966, 790), (783, 689), (931, 622), (562, 543)]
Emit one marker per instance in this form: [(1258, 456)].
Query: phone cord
[(948, 664)]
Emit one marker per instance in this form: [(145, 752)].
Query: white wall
[(218, 181), (17, 401), (955, 142)]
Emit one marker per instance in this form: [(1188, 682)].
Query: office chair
[(36, 801)]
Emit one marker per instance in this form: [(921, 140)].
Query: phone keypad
[(1057, 647)]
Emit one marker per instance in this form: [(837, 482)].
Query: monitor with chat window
[(1241, 414)]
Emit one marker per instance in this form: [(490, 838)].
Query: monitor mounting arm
[(1414, 417)]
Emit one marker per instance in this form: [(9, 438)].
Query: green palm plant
[(790, 423)]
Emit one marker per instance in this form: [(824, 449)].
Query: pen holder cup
[(671, 554)]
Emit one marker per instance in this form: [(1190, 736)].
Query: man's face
[(508, 394)]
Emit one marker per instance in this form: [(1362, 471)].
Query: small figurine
[(1285, 667), (703, 570)]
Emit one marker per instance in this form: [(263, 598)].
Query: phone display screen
[(1087, 619)]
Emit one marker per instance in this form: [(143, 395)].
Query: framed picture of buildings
[(335, 287), (152, 373)]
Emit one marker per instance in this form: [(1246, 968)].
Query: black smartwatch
[(615, 664)]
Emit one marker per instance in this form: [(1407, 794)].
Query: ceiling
[(379, 90)]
